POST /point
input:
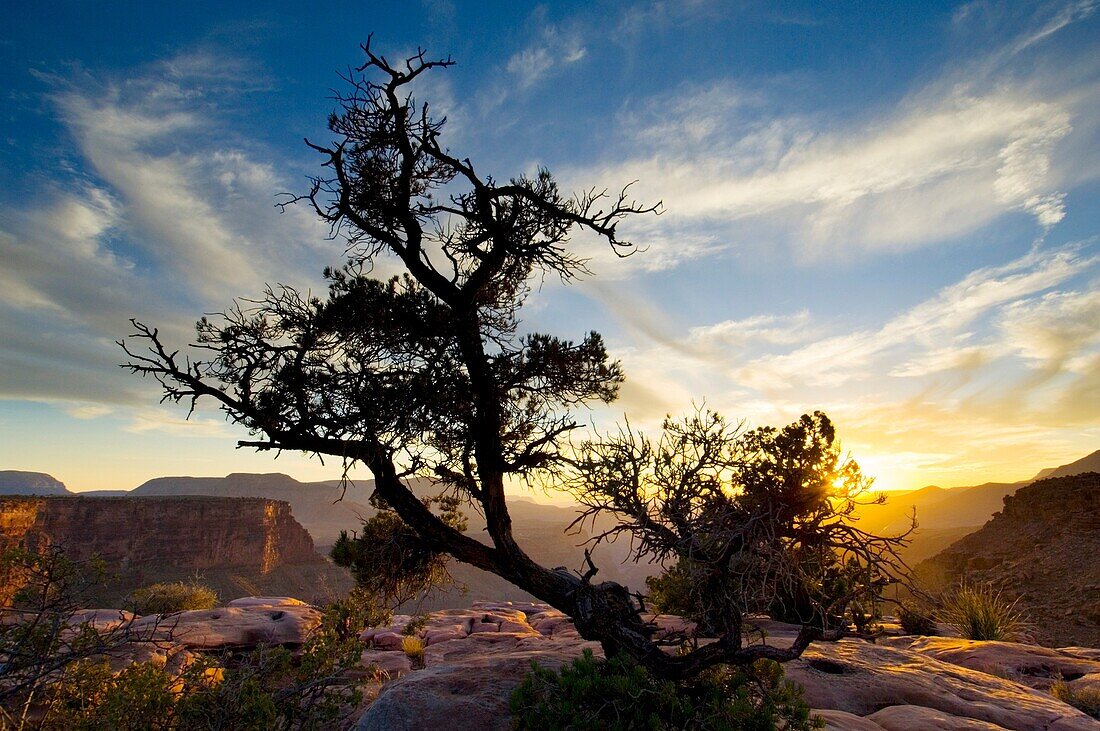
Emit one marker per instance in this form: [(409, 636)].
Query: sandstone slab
[(233, 627), (267, 601), (917, 718), (863, 678), (853, 684), (1031, 665), (1086, 684), (844, 721), (102, 620)]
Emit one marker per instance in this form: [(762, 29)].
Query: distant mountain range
[(944, 515), (15, 482), (1090, 463)]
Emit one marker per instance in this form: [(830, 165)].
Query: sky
[(886, 211)]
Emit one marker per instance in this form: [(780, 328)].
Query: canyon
[(234, 544)]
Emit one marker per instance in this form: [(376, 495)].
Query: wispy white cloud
[(925, 327), (734, 165), (145, 420), (171, 215), (1058, 329), (553, 48), (930, 170), (766, 329), (205, 214)]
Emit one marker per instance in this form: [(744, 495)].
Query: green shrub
[(345, 618), (978, 612), (917, 620), (167, 597), (670, 591), (91, 696), (618, 694), (268, 688), (1085, 700), (416, 625)]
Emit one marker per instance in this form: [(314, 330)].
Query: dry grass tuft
[(978, 612)]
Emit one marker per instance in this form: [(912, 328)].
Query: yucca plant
[(414, 648), (979, 612)]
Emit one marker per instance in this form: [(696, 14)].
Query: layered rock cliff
[(143, 540), (183, 533), (1041, 549)]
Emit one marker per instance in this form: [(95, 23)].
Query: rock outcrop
[(475, 658), (1040, 549), (259, 620)]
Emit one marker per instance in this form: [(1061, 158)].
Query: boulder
[(467, 693), (170, 657), (387, 641), (435, 636), (393, 664)]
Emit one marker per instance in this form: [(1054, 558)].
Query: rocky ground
[(474, 658)]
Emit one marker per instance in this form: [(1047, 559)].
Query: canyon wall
[(143, 540)]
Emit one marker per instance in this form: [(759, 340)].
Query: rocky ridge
[(1041, 550)]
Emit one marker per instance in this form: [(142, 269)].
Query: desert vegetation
[(980, 612), (592, 694), (172, 596), (63, 668)]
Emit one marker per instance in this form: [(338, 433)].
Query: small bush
[(618, 694), (345, 618), (416, 625), (978, 612), (866, 621), (412, 646), (89, 696), (1084, 700), (917, 620), (670, 591), (168, 597)]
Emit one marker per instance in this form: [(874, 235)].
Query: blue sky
[(888, 211)]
